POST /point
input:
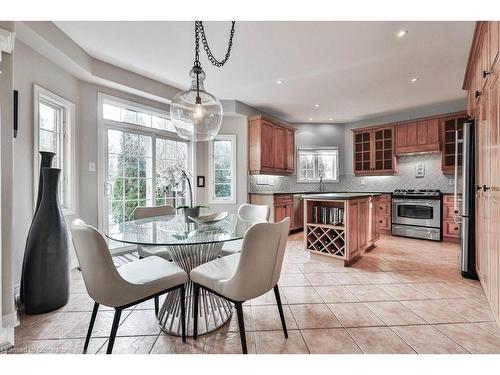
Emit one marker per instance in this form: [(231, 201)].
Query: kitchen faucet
[(321, 187)]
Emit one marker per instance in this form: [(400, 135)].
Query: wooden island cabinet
[(340, 226), (271, 146)]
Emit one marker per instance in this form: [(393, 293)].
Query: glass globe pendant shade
[(195, 113)]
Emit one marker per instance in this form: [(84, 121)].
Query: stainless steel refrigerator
[(464, 203)]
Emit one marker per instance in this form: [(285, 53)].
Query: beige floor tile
[(140, 322), (434, 312), (289, 268), (267, 318), (379, 277), (131, 345), (269, 299), (51, 326), (436, 290), (355, 315), (167, 344), (322, 278), (301, 294), (102, 325), (329, 341), (426, 339), (228, 343), (58, 346), (402, 292), (471, 338), (353, 278), (394, 313), (314, 316), (274, 342), (293, 279), (232, 324), (367, 293), (77, 285), (490, 327), (379, 340), (333, 294), (469, 309)]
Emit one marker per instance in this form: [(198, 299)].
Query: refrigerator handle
[(455, 185)]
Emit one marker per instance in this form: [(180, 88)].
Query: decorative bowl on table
[(210, 218)]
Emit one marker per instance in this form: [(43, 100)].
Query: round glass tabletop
[(175, 230)]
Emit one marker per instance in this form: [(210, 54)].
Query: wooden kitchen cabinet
[(451, 229), (383, 213), (283, 207), (418, 136), (449, 128), (271, 147), (483, 88), (374, 151)]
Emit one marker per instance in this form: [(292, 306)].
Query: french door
[(140, 171)]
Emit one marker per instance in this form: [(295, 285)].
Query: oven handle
[(416, 202)]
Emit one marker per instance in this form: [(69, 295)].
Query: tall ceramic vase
[(46, 260), (45, 162)]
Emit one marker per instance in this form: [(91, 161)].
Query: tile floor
[(405, 296)]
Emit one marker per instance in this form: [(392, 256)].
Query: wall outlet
[(362, 182), (451, 181), (91, 166), (420, 170)]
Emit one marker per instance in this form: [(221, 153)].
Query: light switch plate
[(362, 182), (420, 170), (91, 167)]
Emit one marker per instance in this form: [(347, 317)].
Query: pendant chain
[(199, 29)]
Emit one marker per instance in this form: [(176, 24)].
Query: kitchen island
[(340, 225)]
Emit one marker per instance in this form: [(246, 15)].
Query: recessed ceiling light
[(330, 119), (402, 33), (310, 119), (279, 81), (414, 79), (316, 105)]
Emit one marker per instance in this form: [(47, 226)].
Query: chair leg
[(241, 324), (183, 312), (114, 328), (91, 326), (157, 305), (196, 295), (280, 308)]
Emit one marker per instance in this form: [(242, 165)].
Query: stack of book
[(328, 215)]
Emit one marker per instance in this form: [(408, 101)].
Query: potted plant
[(193, 211)]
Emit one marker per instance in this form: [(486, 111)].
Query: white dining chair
[(247, 213), (246, 275), (128, 285)]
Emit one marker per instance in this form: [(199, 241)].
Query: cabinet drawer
[(383, 208), (448, 213), (281, 199), (451, 229), (383, 222)]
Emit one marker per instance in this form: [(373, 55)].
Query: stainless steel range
[(417, 214)]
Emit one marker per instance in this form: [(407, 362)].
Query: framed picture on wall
[(200, 181)]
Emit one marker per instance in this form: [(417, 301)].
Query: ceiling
[(353, 70)]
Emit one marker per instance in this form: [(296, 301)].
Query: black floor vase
[(46, 260), (45, 162)]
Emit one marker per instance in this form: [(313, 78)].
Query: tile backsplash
[(405, 179)]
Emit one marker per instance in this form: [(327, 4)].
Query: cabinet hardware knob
[(456, 228), (485, 73), (380, 221), (478, 94)]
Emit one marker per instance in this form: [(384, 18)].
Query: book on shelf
[(328, 215)]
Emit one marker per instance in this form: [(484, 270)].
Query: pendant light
[(195, 113)]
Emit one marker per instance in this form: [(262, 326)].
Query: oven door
[(419, 212)]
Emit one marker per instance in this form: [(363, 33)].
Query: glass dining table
[(189, 245)]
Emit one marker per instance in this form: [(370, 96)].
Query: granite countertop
[(318, 192), (340, 196)]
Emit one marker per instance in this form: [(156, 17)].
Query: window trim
[(69, 151), (211, 176), (337, 164), (104, 125)]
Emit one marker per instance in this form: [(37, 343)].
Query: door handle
[(485, 188), (478, 188)]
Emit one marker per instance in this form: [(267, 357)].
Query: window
[(54, 131), (140, 159), (318, 162), (131, 114), (222, 169)]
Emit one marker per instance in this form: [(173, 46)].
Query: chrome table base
[(213, 310)]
